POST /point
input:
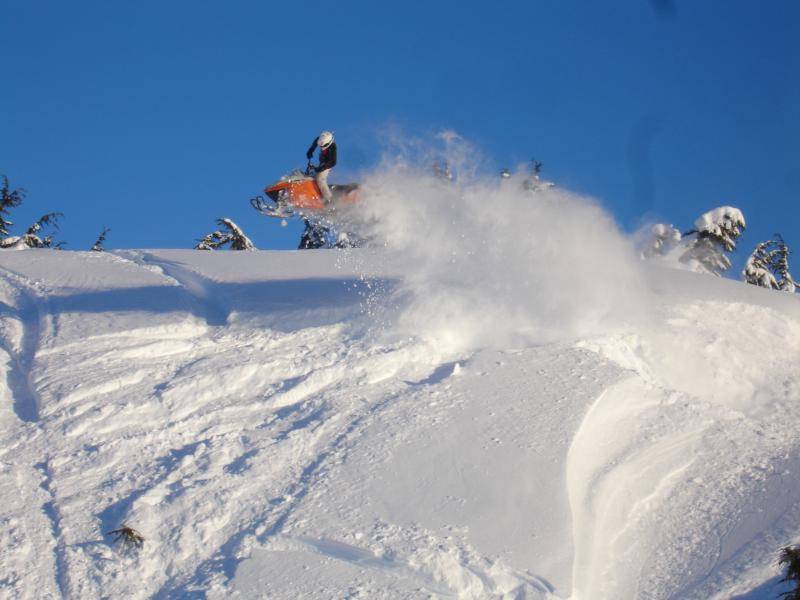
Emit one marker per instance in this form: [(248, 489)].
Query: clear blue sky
[(157, 117)]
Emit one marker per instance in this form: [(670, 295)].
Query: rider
[(327, 160)]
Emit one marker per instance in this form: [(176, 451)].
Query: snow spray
[(492, 261)]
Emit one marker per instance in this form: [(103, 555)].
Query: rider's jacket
[(327, 156)]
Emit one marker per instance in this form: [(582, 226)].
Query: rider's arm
[(313, 147)]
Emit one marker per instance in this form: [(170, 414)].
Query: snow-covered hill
[(397, 423)]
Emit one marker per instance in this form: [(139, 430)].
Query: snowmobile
[(297, 194)]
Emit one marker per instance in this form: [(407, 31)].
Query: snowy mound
[(526, 416)]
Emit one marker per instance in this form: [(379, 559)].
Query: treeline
[(706, 249), (41, 233)]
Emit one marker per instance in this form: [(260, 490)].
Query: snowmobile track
[(29, 314), (50, 509), (195, 286)]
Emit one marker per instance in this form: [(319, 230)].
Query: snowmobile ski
[(278, 210)]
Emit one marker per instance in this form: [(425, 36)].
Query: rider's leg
[(322, 183)]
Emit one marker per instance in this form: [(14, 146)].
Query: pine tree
[(98, 245), (790, 558), (314, 236), (757, 269), (768, 266), (349, 240), (239, 241), (715, 234), (780, 265), (534, 182), (212, 241), (233, 236), (8, 199), (31, 237)]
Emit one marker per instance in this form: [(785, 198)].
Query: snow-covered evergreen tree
[(786, 282), (534, 182), (349, 240), (715, 234), (790, 559), (318, 235), (663, 239), (212, 241), (314, 236), (31, 238), (768, 266), (239, 241), (98, 245), (233, 235), (8, 199), (757, 269)]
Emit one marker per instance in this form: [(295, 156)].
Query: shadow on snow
[(284, 304)]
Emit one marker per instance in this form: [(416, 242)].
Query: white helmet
[(325, 139)]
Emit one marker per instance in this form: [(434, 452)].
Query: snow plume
[(485, 262)]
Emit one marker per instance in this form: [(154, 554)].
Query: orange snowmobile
[(297, 194)]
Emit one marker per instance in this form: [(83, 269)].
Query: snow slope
[(498, 400), (250, 416)]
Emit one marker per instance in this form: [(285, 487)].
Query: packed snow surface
[(532, 416)]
